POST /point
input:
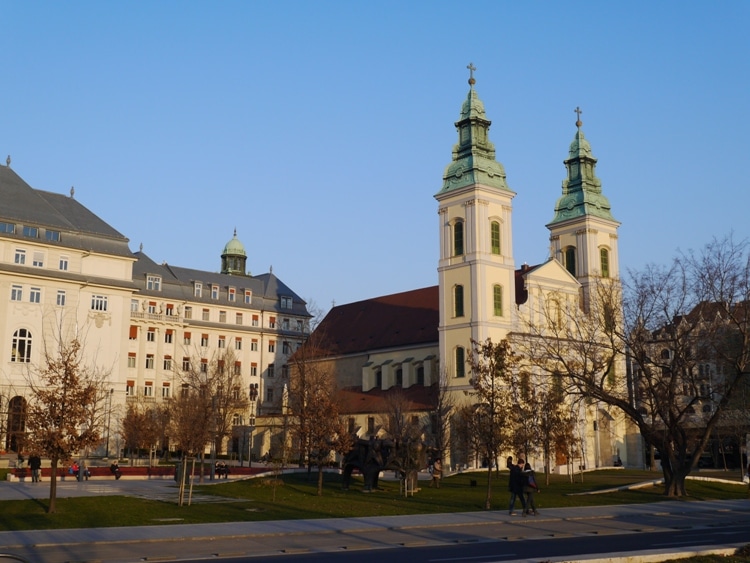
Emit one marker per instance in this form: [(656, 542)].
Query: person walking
[(437, 473), (530, 489), (516, 487), (35, 464)]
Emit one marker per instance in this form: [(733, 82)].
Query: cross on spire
[(471, 68), (578, 111)]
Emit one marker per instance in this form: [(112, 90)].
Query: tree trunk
[(674, 481), (52, 487), (320, 479), (488, 500)]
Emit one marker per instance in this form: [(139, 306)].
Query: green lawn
[(256, 499)]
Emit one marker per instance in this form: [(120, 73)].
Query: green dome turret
[(581, 190), (234, 257)]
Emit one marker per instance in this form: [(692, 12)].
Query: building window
[(204, 340), (187, 338), (285, 371), (185, 364), (232, 294), (148, 389), (254, 345), (248, 297), (38, 261), (188, 312), (399, 377), (52, 236), (458, 239), (271, 345), (7, 228), (379, 379), (165, 391), (253, 369), (458, 301), (238, 318), (151, 335), (460, 362), (152, 307), (31, 232), (133, 333), (570, 259), (21, 346), (269, 395), (237, 368), (168, 336), (497, 300), (286, 303), (371, 425), (214, 291), (222, 316), (198, 289), (300, 326), (205, 315), (61, 298), (271, 370), (16, 293), (222, 342), (149, 361), (153, 283), (204, 365), (271, 322), (35, 295), (495, 237), (20, 257), (98, 302), (285, 324), (131, 360), (604, 259), (286, 348), (255, 320), (63, 263), (238, 343), (170, 310), (134, 304), (350, 425), (130, 388), (420, 375), (167, 363)]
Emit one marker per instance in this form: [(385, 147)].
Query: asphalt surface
[(277, 537)]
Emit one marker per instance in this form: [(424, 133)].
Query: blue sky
[(321, 130)]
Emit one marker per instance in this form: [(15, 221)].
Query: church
[(412, 342)]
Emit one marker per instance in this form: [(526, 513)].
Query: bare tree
[(142, 426), (66, 408), (492, 366), (444, 407), (408, 455)]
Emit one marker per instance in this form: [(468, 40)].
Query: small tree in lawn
[(492, 365), (444, 407), (64, 409)]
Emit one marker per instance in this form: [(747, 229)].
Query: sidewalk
[(275, 535)]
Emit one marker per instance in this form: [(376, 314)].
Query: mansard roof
[(179, 283), (79, 228)]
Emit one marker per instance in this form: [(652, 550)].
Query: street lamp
[(109, 416)]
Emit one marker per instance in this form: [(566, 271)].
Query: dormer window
[(232, 294), (248, 297), (198, 289), (52, 236), (286, 302), (214, 291), (31, 232), (153, 283)]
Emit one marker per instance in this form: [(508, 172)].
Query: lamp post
[(251, 421), (109, 417)]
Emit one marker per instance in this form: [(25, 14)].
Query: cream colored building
[(64, 272)]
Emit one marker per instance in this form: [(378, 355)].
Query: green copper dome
[(474, 154), (234, 257), (234, 247), (581, 190)]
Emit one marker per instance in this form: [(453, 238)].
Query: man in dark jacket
[(516, 487)]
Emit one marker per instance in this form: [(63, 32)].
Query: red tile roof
[(352, 400)]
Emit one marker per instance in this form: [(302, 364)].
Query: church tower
[(475, 269), (583, 233)]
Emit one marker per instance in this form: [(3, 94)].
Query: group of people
[(522, 485), (436, 470), (222, 470)]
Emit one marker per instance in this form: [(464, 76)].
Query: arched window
[(604, 260), (495, 237), (458, 301), (21, 349), (458, 238), (460, 362), (570, 259), (379, 379), (497, 300)]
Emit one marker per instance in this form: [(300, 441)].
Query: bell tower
[(583, 232), (475, 268)]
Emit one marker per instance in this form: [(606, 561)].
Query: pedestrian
[(35, 464), (516, 487), (530, 489), (115, 470), (75, 469), (437, 473)]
